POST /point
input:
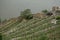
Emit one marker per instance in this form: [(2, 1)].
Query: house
[(56, 10)]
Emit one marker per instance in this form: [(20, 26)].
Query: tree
[(45, 11), (26, 14)]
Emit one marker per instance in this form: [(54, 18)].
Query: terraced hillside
[(34, 29)]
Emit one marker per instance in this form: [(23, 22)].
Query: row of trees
[(27, 14)]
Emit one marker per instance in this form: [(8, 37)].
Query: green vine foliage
[(0, 36)]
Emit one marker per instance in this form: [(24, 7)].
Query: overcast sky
[(12, 8)]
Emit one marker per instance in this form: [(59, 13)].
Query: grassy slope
[(34, 29)]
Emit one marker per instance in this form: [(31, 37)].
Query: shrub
[(45, 11), (49, 13), (26, 14), (58, 18), (44, 38)]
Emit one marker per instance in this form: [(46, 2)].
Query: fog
[(12, 8)]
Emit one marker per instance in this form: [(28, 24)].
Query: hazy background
[(12, 8)]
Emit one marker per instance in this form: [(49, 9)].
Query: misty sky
[(12, 8)]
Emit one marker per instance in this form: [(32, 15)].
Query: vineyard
[(34, 29)]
